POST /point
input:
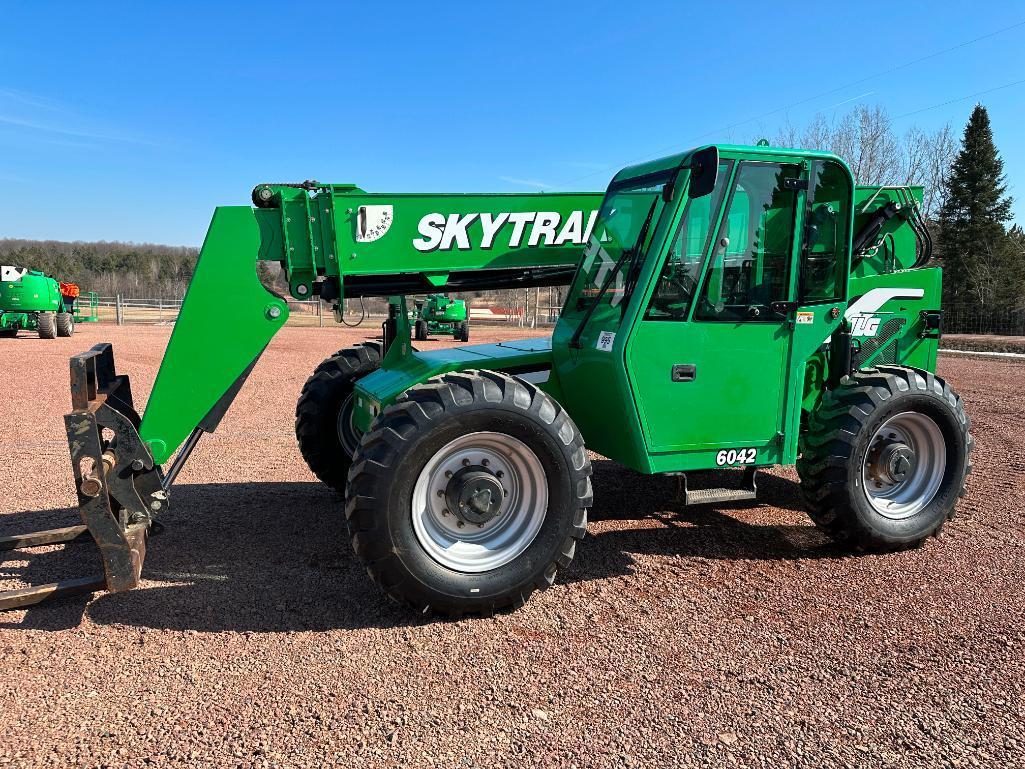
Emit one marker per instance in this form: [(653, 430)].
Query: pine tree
[(978, 266)]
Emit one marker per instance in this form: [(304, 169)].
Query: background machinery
[(87, 308), (32, 301), (729, 308), (441, 314)]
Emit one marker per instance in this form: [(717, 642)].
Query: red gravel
[(700, 637)]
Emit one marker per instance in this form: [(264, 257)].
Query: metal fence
[(972, 319), (122, 310), (957, 319)]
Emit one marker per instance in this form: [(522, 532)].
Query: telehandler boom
[(729, 308)]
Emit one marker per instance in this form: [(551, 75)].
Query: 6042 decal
[(736, 457)]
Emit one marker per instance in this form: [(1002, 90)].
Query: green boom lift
[(32, 301), (441, 314), (729, 308)]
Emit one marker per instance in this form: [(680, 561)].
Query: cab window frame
[(722, 230), (726, 171), (842, 235)]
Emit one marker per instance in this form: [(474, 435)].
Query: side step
[(747, 492)]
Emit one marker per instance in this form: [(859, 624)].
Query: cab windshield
[(613, 254)]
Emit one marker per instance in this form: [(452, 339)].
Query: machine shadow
[(271, 557)]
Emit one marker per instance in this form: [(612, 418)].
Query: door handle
[(684, 372)]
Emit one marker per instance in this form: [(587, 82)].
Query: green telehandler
[(441, 314), (729, 308)]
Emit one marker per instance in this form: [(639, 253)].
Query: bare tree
[(865, 138), (926, 159)]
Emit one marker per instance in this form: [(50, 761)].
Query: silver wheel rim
[(900, 483), (474, 548), (348, 434)]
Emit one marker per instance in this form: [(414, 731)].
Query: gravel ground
[(679, 637)]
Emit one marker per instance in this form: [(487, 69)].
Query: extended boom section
[(337, 240)]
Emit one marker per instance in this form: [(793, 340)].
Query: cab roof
[(674, 161)]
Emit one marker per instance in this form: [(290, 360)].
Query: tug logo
[(521, 228), (864, 325)]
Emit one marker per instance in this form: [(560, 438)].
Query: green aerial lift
[(32, 301), (729, 308), (441, 314)]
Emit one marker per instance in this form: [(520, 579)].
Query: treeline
[(137, 270)]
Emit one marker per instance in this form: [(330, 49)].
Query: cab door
[(708, 355)]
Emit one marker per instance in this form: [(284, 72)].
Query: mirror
[(704, 168)]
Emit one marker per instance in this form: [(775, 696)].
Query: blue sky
[(131, 121)]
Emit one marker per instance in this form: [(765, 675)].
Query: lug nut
[(499, 474), (441, 492), (460, 524), (485, 462), (448, 473), (466, 462), (445, 511), (480, 525)]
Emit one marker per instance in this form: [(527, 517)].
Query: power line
[(961, 98), (859, 81)]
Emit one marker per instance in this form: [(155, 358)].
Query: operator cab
[(701, 271)]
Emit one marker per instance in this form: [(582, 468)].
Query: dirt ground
[(984, 343), (678, 637)]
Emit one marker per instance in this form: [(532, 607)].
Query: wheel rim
[(475, 539), (904, 466), (348, 434)]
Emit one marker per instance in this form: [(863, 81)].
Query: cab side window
[(824, 256), (751, 259)]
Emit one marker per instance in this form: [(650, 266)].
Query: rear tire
[(885, 457), (420, 330), (65, 324), (323, 415), (455, 434), (463, 331), (46, 325)]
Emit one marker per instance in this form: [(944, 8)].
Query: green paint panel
[(32, 291), (226, 320), (398, 375)]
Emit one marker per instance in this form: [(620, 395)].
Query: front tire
[(323, 415), (46, 325), (420, 330), (463, 331), (65, 324), (885, 457), (469, 493)]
